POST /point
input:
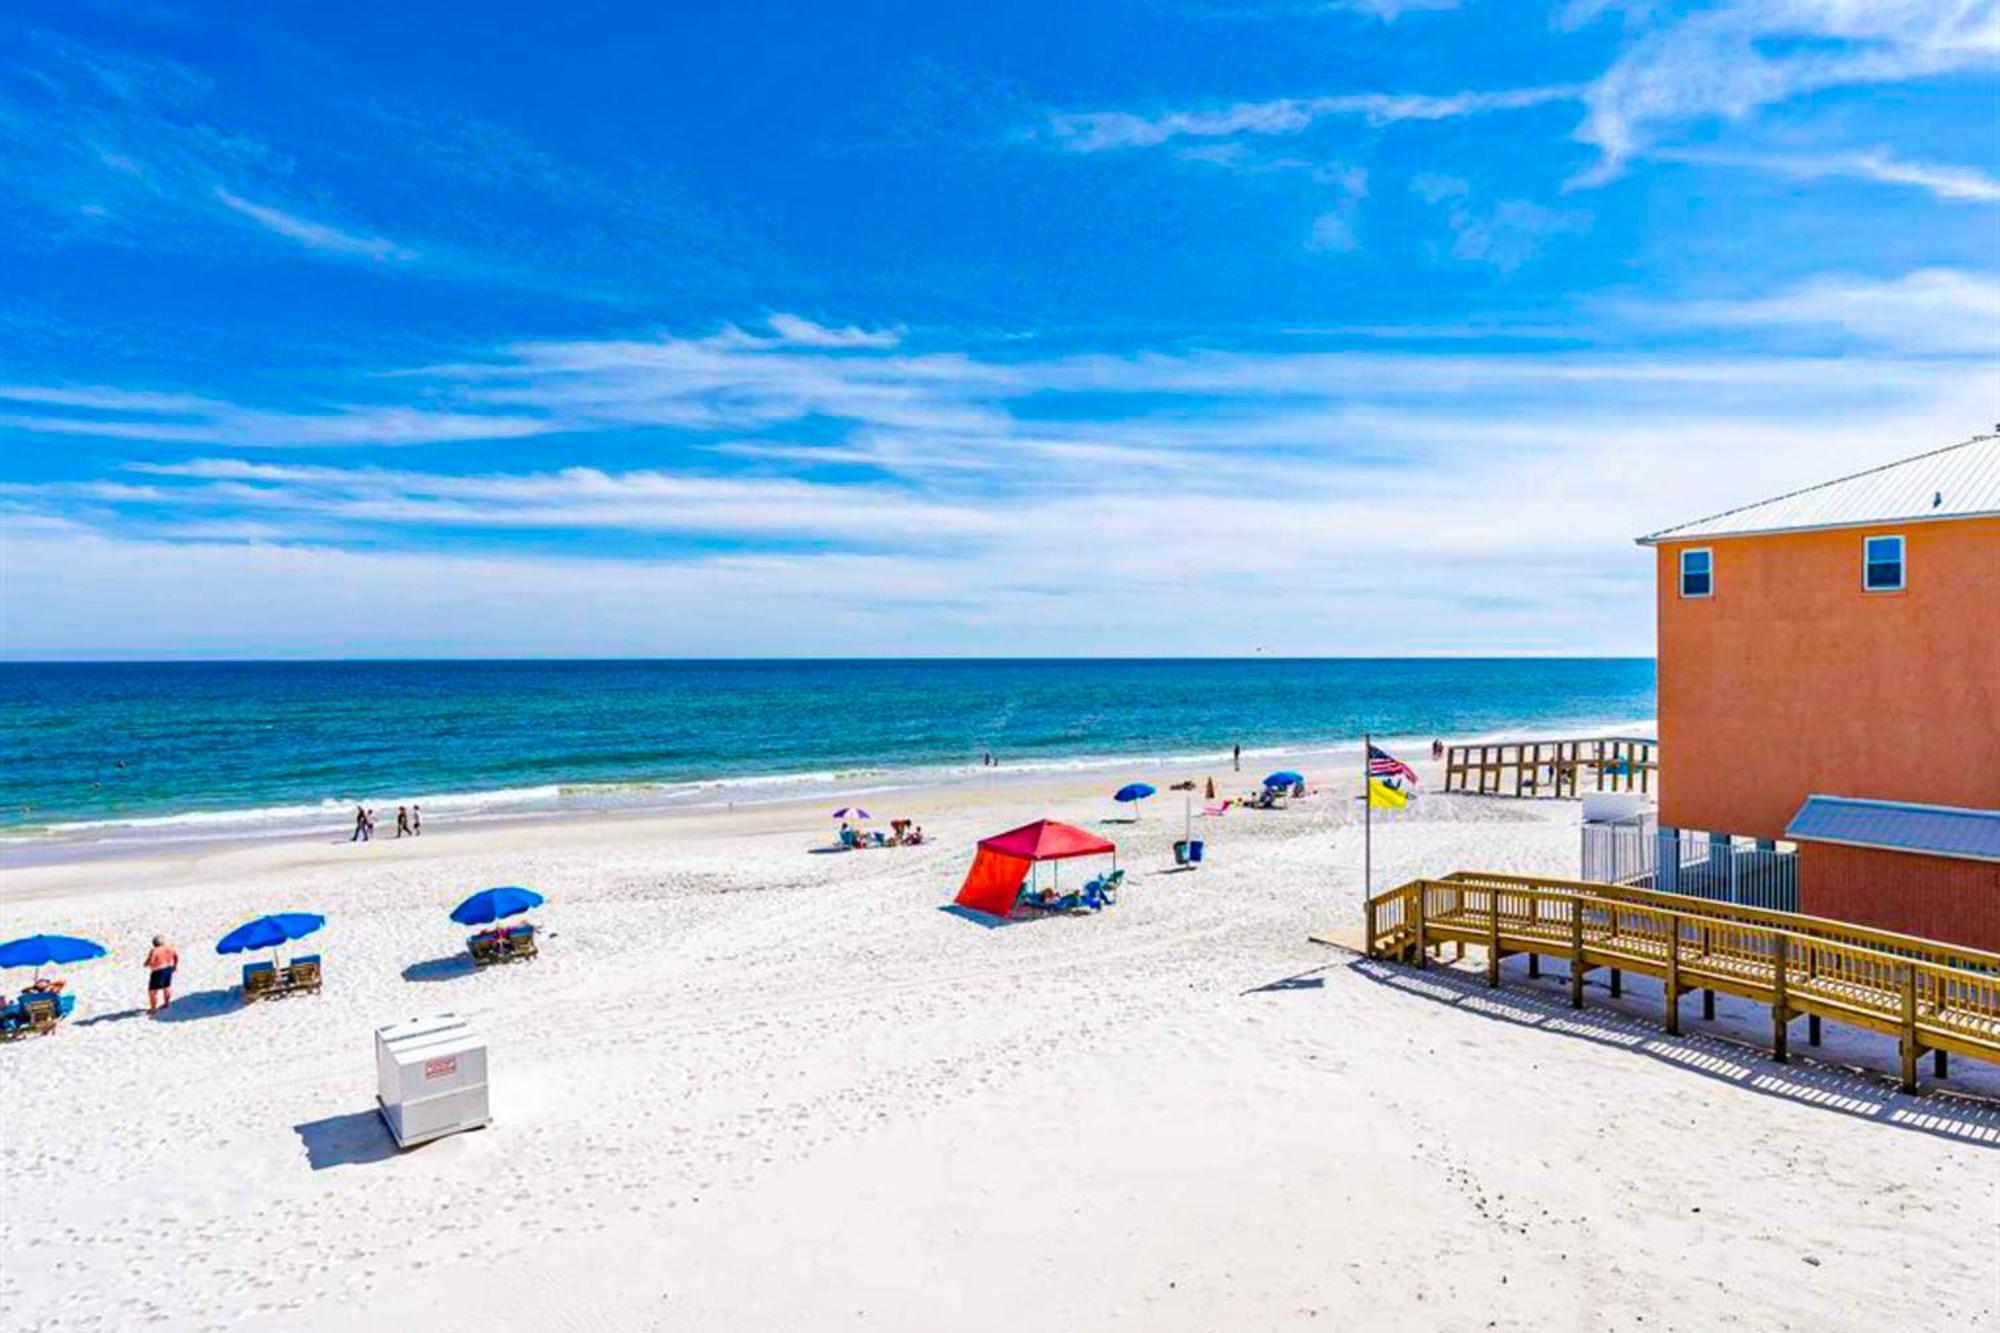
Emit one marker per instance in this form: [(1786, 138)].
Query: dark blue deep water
[(206, 749)]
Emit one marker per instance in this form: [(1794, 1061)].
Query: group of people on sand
[(902, 833), (409, 823)]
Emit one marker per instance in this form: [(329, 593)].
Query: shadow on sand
[(1861, 1093), (118, 1017), (201, 1004), (449, 968), (354, 1139)]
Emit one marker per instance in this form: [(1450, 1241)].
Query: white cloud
[(1728, 61), (312, 235), (1929, 311), (1334, 233), (804, 333), (1317, 501), (1505, 235), (1097, 131), (1949, 183)]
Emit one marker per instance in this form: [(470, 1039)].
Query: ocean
[(118, 752)]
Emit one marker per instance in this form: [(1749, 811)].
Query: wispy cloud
[(1505, 234), (1929, 311), (1099, 131), (130, 148), (171, 418), (1949, 183), (941, 484), (1730, 60), (312, 235)]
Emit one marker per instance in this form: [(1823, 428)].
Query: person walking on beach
[(416, 821), (1236, 758), (402, 821), (360, 833), (160, 965)]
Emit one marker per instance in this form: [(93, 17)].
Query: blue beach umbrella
[(1284, 777), (1132, 791), (489, 905), (268, 932), (38, 951)]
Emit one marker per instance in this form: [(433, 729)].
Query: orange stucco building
[(1844, 641)]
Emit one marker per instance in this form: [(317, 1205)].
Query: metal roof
[(1898, 826), (1962, 481)]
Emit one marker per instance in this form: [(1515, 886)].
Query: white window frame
[(1902, 562), (1681, 572)]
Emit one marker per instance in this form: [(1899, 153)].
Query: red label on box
[(438, 1068)]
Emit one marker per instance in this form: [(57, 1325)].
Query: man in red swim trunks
[(160, 965)]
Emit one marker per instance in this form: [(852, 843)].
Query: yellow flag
[(1384, 797)]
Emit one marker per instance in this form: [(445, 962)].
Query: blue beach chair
[(260, 980)]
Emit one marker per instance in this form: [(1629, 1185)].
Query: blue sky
[(1377, 326)]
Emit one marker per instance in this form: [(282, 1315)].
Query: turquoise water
[(155, 750)]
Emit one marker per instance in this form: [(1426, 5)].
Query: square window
[(1882, 564), (1697, 572)]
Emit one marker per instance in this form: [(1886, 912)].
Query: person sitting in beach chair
[(44, 986), (850, 838), (487, 946), (520, 941), (40, 1011)]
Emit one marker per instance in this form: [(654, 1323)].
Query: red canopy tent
[(994, 882)]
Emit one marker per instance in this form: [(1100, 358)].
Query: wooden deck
[(1929, 996), (1552, 768)]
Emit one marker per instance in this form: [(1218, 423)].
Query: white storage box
[(1613, 807), (430, 1078)]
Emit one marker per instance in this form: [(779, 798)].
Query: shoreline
[(555, 803)]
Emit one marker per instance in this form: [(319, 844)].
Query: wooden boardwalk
[(1551, 768), (1929, 996)]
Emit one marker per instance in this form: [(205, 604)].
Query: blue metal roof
[(1899, 826)]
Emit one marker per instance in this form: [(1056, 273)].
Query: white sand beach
[(751, 1086)]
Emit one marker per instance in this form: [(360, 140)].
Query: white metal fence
[(1698, 864)]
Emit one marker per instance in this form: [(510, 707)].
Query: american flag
[(1382, 764)]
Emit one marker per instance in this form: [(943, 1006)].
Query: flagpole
[(1367, 828)]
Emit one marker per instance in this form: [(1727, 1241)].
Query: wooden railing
[(1928, 995), (1552, 768)]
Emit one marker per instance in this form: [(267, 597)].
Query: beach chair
[(303, 974), (487, 948), (521, 942), (40, 1012), (850, 840), (1110, 885), (260, 981), (11, 1020)]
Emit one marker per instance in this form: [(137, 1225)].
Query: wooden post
[(1493, 937), (1780, 1016), (1423, 943), (1372, 936), (1617, 983), (1576, 953), (1708, 1004), (1673, 975), (1535, 916), (1937, 1062), (1908, 1041), (1812, 1029)]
